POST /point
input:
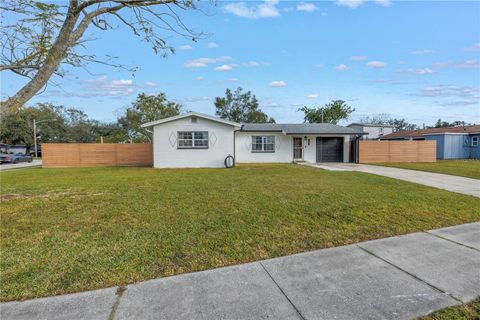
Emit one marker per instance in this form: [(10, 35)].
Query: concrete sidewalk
[(394, 278), (452, 183)]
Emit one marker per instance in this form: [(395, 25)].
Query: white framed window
[(263, 143), (192, 140), (474, 141)]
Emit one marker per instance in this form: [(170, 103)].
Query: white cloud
[(266, 9), (224, 68), (212, 45), (185, 47), (468, 64), (358, 58), (278, 84), (376, 64), (341, 67), (319, 65), (203, 62), (122, 82), (356, 3), (306, 7), (270, 105), (150, 84), (474, 48), (421, 71), (313, 96), (199, 78), (464, 92), (197, 99), (422, 52), (458, 103), (384, 3), (350, 3), (234, 80), (251, 64), (102, 86)]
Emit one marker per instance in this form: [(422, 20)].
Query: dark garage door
[(329, 149)]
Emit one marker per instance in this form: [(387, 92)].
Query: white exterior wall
[(166, 154), (243, 148), (283, 148), (373, 132)]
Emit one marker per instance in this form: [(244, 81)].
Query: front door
[(297, 149)]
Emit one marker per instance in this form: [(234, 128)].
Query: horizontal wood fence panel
[(96, 154), (397, 151)]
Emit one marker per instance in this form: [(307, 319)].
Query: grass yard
[(469, 311), (463, 168), (69, 230)]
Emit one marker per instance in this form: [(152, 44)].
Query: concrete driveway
[(21, 165), (457, 184), (394, 278)]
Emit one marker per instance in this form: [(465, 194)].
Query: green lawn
[(68, 230), (469, 311), (463, 168)]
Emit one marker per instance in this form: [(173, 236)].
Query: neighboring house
[(199, 140), (452, 143), (373, 130)]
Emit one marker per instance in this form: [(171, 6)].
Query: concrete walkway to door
[(394, 278), (457, 184)]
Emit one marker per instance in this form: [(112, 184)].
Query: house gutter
[(234, 146)]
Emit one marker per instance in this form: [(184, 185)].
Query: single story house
[(452, 142), (198, 140), (374, 130)]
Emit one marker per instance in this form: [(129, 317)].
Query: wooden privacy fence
[(96, 154), (397, 151)]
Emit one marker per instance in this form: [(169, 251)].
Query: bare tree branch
[(45, 35)]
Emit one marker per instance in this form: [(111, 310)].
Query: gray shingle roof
[(301, 128)]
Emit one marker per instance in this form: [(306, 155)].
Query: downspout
[(234, 146), (356, 148)]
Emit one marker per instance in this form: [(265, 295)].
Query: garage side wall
[(167, 155)]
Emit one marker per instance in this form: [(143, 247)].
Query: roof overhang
[(190, 114)]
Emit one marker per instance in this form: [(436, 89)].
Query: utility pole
[(35, 137)]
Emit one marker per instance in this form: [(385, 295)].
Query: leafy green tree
[(111, 132), (241, 107), (144, 109), (332, 112), (63, 125), (446, 124), (16, 124)]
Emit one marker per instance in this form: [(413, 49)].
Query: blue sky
[(416, 60)]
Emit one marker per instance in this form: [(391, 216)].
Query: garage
[(329, 149)]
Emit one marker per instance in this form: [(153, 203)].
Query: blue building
[(452, 143), (456, 145)]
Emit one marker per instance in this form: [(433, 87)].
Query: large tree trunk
[(52, 62)]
